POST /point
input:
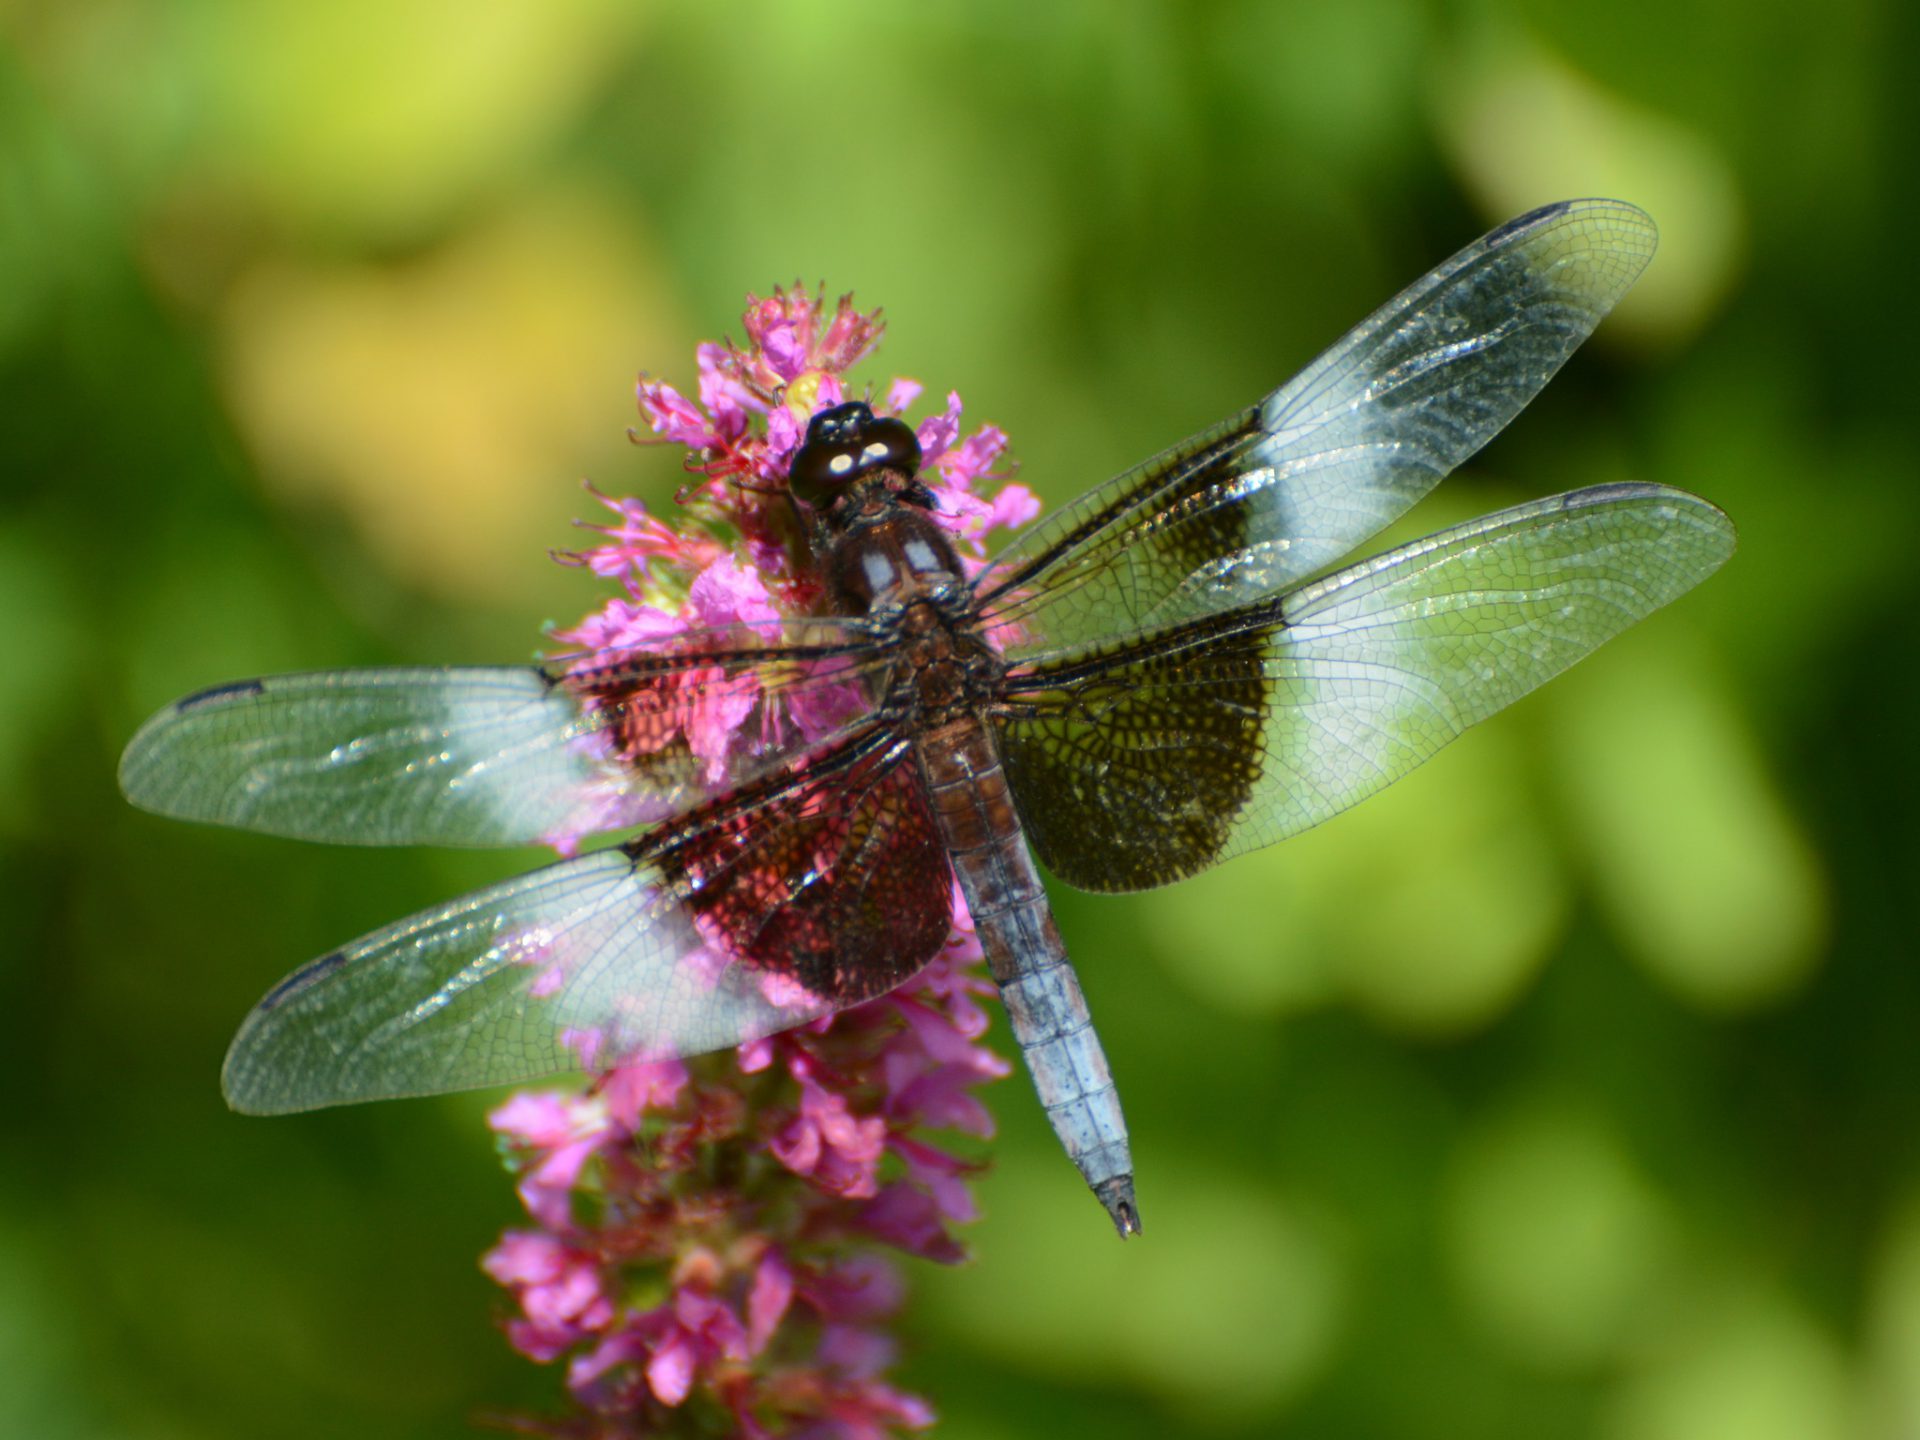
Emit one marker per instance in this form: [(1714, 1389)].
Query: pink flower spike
[(865, 1288), (714, 1237), (856, 1352), (726, 398), (558, 1289), (786, 350), (850, 335), (942, 1176), (906, 1216)]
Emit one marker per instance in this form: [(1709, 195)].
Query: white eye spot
[(876, 451), (840, 464)]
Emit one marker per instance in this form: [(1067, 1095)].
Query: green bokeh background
[(1569, 1089)]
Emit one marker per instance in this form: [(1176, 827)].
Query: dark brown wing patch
[(1131, 767), (835, 880)]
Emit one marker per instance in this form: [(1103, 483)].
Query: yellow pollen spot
[(804, 392)]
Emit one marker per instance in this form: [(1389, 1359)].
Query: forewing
[(1144, 763), (508, 756), (1294, 483), (817, 893)]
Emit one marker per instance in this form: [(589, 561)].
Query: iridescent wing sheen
[(507, 756), (1294, 483), (794, 898), (1139, 763)]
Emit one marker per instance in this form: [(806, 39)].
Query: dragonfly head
[(843, 445)]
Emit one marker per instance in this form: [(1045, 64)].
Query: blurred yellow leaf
[(450, 404), (384, 115), (1524, 128)]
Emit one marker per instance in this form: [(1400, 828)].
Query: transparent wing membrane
[(821, 892), (508, 756), (1294, 483)]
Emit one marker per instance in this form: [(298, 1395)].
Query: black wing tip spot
[(1620, 491), (300, 979), (1610, 494), (1501, 234), (1702, 511), (214, 694)]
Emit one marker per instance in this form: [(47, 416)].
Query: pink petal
[(727, 591), (670, 1370), (974, 457), (901, 394), (541, 1343), (538, 1117), (642, 1085), (785, 350), (855, 1350), (1014, 506), (767, 1302), (937, 432), (754, 1056), (671, 414), (524, 1257)]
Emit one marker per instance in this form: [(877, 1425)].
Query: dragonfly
[(1164, 674)]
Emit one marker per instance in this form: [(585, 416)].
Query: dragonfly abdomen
[(974, 811)]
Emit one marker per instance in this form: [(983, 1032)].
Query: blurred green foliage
[(1569, 1089)]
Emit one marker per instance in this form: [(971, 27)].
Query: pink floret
[(900, 395), (673, 416), (638, 1087), (768, 1300), (937, 432), (558, 1288), (838, 1150)]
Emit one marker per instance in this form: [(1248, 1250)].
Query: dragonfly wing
[(770, 910), (508, 756), (1145, 761), (1294, 483)]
